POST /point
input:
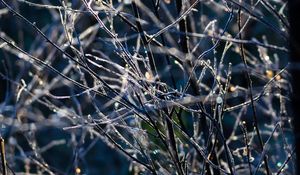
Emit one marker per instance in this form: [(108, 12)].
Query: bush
[(176, 87)]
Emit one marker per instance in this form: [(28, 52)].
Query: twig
[(3, 159)]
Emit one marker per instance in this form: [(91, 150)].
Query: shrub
[(177, 87)]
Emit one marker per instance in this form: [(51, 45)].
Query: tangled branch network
[(169, 86)]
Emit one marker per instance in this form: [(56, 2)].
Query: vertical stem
[(172, 141), (156, 6), (3, 160), (184, 45), (183, 42), (144, 39), (249, 84)]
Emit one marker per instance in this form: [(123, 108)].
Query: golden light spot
[(41, 82), (232, 88), (245, 151), (167, 1), (77, 170), (148, 76), (98, 2), (269, 73), (278, 77), (209, 157)]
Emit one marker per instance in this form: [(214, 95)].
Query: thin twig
[(3, 159)]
